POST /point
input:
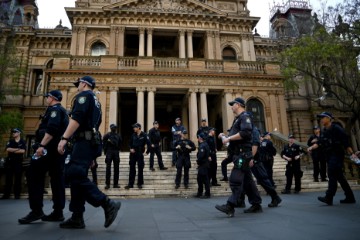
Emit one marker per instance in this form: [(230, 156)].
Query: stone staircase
[(161, 183)]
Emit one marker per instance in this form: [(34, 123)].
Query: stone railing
[(163, 64), (171, 63)]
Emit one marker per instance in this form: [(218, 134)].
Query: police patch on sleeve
[(248, 120), (82, 100), (202, 150), (53, 114)]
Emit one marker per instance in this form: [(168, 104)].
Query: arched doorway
[(257, 109)]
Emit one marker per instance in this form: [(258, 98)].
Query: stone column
[(182, 43), (203, 104), (64, 92), (283, 118), (193, 114), (113, 106), (82, 38), (141, 42), (273, 110), (103, 100), (190, 51), (120, 49), (149, 42), (151, 107), (209, 45), (113, 32), (228, 115), (74, 41), (217, 46), (140, 105)]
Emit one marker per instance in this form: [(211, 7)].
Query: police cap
[(55, 94), (136, 125), (155, 122), (201, 135), (113, 126), (184, 131), (325, 114), (86, 79), (16, 130), (291, 136), (238, 100)]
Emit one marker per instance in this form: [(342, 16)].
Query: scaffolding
[(286, 5)]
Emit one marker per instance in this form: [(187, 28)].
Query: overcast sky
[(50, 12)]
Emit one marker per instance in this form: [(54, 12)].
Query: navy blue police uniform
[(267, 151), (293, 168), (138, 143), (202, 161), (112, 144), (54, 122), (317, 156), (85, 107), (176, 137), (213, 163), (13, 169), (333, 142), (183, 160), (155, 139)]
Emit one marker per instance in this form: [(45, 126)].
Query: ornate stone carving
[(151, 89), (165, 6)]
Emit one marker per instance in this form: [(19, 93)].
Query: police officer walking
[(52, 127), (83, 127), (317, 156), (240, 151), (155, 146), (267, 151), (112, 144), (292, 154), (333, 143), (210, 139), (15, 148), (137, 144), (203, 156), (176, 131), (183, 147)]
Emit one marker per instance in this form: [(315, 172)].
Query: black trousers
[(13, 176), (336, 175), (157, 151), (213, 169), (138, 158), (53, 163), (242, 182), (319, 164), (293, 170), (112, 156), (181, 163), (224, 164), (203, 180), (263, 179), (268, 165), (81, 188)]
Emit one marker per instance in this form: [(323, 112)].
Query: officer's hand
[(209, 159), (132, 150), (251, 163), (152, 145), (178, 147), (188, 147), (39, 151), (297, 157), (61, 147), (221, 135)]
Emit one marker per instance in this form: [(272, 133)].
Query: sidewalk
[(299, 216)]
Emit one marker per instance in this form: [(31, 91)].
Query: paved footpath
[(300, 216)]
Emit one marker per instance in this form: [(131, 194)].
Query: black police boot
[(55, 216), (75, 222), (32, 217), (107, 186), (348, 200), (111, 209), (275, 202), (256, 208), (224, 179), (240, 204), (226, 208), (163, 168), (327, 200), (285, 191), (116, 186)]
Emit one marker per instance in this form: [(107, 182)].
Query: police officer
[(52, 127), (15, 148), (210, 139), (83, 127), (112, 144), (240, 151), (204, 128), (176, 131), (317, 156), (137, 144), (203, 157), (333, 143), (155, 146), (226, 161), (292, 154), (183, 147), (267, 151)]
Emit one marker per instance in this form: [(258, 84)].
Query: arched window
[(17, 20), (229, 54), (98, 49), (257, 109)]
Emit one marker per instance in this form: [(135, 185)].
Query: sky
[(50, 12)]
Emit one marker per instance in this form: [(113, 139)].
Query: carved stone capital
[(151, 89), (150, 31), (140, 89), (121, 29), (203, 90), (102, 88), (82, 29), (113, 89), (193, 90), (189, 32), (228, 91), (181, 32), (141, 30)]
